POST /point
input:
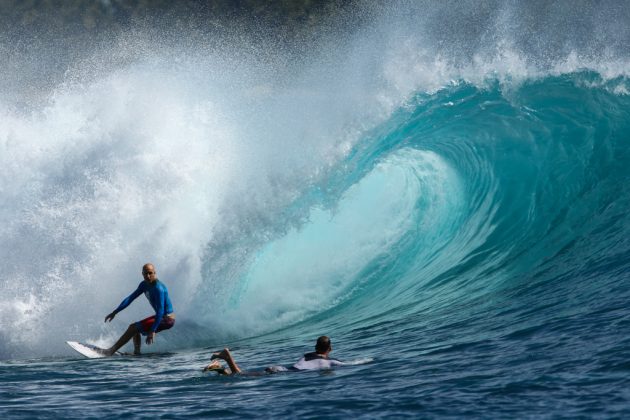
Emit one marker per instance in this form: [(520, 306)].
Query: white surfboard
[(88, 350)]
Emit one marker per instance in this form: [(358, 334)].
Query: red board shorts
[(145, 325)]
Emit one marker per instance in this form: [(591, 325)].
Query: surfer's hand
[(150, 338), (109, 317)]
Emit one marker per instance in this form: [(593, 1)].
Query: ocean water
[(442, 189)]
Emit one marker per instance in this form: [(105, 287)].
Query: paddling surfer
[(310, 361), (163, 319)]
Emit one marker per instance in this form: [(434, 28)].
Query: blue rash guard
[(158, 298)]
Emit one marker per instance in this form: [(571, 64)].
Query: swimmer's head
[(323, 345)]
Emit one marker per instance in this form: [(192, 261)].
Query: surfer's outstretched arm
[(227, 356)]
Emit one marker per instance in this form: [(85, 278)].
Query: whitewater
[(441, 189)]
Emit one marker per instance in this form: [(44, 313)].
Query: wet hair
[(323, 344)]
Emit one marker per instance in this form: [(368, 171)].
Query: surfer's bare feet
[(106, 352), (223, 354)]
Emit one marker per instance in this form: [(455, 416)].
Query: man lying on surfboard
[(163, 319), (310, 361)]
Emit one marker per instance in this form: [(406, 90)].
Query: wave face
[(458, 193), (476, 220)]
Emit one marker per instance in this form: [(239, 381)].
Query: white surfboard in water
[(88, 350)]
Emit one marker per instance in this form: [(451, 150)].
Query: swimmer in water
[(310, 361)]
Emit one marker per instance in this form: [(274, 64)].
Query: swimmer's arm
[(216, 367), (227, 356)]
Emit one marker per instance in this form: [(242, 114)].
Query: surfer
[(310, 361), (163, 319)]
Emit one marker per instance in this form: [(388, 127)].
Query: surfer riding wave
[(164, 317)]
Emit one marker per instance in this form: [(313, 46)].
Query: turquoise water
[(458, 227)]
